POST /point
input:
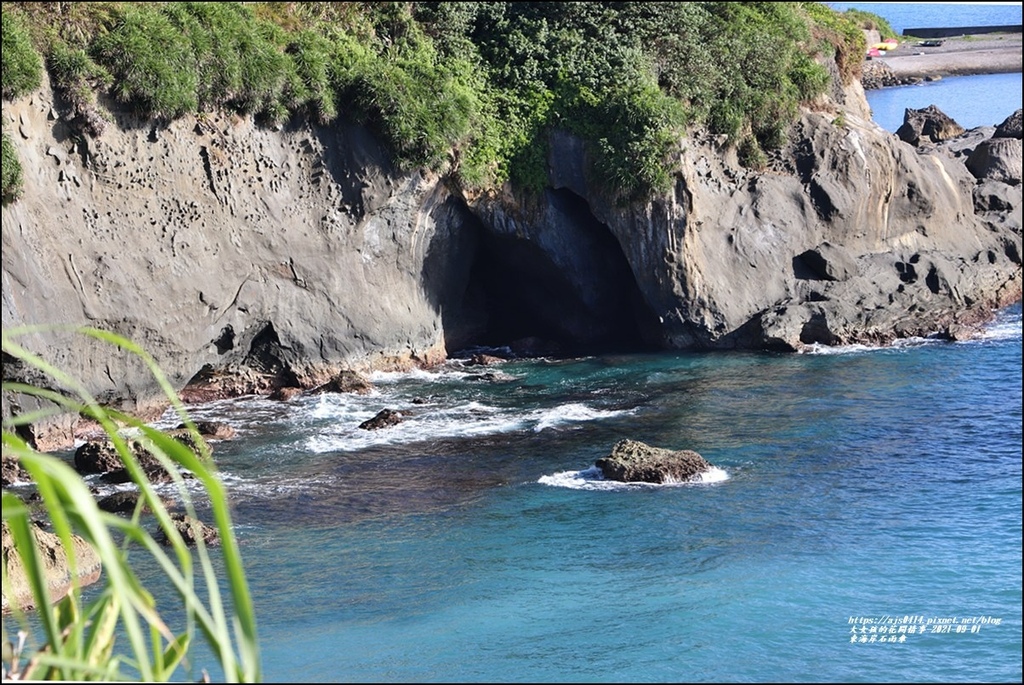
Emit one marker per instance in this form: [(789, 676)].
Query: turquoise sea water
[(475, 543)]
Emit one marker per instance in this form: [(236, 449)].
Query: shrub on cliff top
[(476, 88), (22, 65), (12, 182)]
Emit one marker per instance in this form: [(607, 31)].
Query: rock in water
[(56, 568), (633, 461), (383, 419), (928, 125)]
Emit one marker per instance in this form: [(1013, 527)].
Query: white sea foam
[(592, 479), (1005, 327), (421, 423), (857, 348), (338, 418), (570, 413)]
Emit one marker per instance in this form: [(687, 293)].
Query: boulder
[(286, 393), (632, 461), (125, 502), (484, 360), (191, 530), (217, 430), (997, 159), (383, 419), (346, 381), (927, 125), (13, 472), (97, 456), (17, 591), (102, 457), (1010, 128)]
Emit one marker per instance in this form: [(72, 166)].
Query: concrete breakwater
[(949, 31)]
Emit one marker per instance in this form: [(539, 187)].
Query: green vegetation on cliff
[(466, 88)]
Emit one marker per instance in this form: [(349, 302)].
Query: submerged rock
[(632, 461)]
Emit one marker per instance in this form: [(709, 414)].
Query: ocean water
[(862, 522), (906, 15), (971, 101)]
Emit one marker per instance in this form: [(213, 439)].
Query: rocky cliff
[(278, 257)]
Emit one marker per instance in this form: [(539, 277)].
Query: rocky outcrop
[(56, 568), (211, 430), (102, 457), (13, 472), (632, 461), (247, 260), (346, 381), (928, 124), (999, 157), (877, 75)]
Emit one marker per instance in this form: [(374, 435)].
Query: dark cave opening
[(567, 289)]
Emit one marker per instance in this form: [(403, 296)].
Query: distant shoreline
[(957, 56)]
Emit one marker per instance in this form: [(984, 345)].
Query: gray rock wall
[(295, 253), (214, 242)]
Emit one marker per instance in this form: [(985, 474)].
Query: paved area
[(997, 53)]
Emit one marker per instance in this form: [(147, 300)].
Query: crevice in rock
[(266, 356), (208, 168), (226, 340)]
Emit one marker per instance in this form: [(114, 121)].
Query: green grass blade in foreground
[(66, 490)]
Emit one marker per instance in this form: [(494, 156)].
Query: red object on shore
[(874, 52)]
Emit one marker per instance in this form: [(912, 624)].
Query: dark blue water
[(904, 15), (475, 543), (971, 101)]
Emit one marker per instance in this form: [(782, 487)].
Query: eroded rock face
[(17, 591), (247, 260), (1010, 127), (632, 461), (998, 159)]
